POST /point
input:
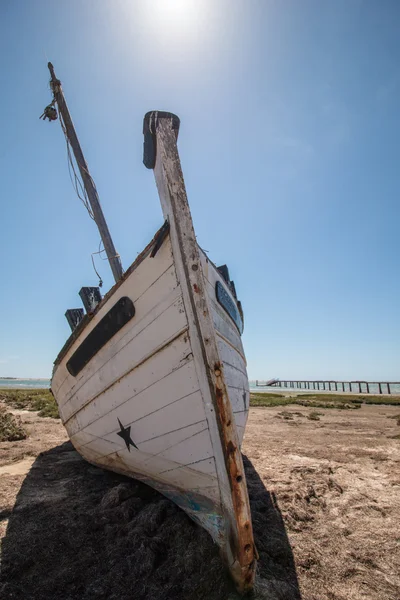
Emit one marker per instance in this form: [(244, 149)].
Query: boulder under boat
[(152, 381)]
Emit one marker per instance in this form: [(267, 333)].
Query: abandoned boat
[(152, 382)]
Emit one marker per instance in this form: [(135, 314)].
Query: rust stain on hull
[(246, 552)]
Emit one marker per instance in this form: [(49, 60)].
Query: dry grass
[(11, 429), (314, 415), (340, 401), (41, 400), (337, 482), (397, 418)]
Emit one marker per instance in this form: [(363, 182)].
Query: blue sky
[(290, 144)]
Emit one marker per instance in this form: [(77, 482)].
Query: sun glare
[(174, 9), (182, 22)]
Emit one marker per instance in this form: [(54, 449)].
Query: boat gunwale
[(80, 328)]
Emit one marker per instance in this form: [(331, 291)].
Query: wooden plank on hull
[(180, 412), (156, 298), (160, 443), (231, 356), (226, 329), (160, 332), (144, 316), (179, 384), (113, 292), (213, 280), (150, 376), (103, 333), (203, 465), (197, 447), (166, 472), (239, 398), (241, 418), (235, 378), (183, 486)]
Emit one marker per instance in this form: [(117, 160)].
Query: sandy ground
[(16, 458), (337, 482), (325, 498)]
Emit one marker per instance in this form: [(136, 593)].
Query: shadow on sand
[(78, 532)]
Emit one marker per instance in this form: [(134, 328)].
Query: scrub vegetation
[(40, 400)]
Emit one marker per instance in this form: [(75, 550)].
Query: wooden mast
[(112, 255)]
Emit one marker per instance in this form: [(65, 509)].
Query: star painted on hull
[(125, 434)]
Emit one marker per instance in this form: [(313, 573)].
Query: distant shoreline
[(29, 383), (26, 378)]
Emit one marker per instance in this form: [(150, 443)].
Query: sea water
[(24, 383)]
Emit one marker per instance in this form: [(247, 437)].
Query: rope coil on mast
[(50, 112)]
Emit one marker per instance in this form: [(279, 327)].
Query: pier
[(360, 387)]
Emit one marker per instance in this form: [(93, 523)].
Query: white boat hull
[(146, 378), (144, 405)]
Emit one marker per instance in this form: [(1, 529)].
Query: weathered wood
[(112, 255), (155, 315), (116, 318), (90, 297), (223, 269), (74, 316), (239, 549)]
